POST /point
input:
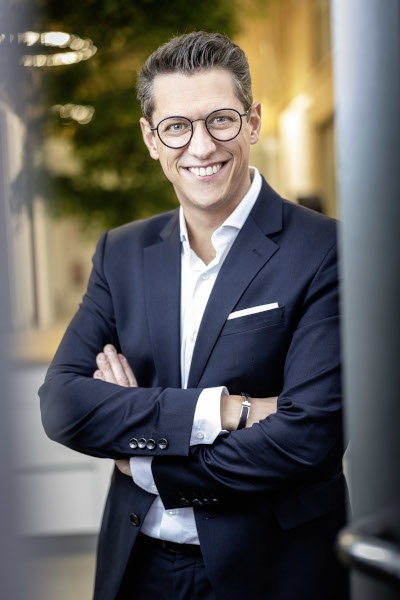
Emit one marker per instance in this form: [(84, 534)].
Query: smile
[(205, 171)]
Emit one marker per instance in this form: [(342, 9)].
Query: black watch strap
[(244, 413)]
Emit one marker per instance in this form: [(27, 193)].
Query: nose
[(202, 144)]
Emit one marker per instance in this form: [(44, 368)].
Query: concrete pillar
[(366, 41), (13, 567)]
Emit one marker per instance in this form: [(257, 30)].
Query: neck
[(200, 240), (201, 224)]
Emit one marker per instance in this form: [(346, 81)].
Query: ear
[(255, 122), (149, 138)]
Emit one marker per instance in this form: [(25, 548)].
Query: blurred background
[(85, 167), (77, 164), (74, 164)]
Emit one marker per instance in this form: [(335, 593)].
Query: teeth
[(205, 171)]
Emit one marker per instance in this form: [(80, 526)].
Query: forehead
[(193, 95)]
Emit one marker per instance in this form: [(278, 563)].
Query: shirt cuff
[(207, 417), (142, 474)]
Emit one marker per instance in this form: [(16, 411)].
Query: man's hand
[(261, 408), (232, 405), (114, 368), (124, 466)]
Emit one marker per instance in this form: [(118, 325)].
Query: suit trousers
[(154, 573)]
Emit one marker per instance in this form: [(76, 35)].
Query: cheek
[(242, 154), (169, 166)]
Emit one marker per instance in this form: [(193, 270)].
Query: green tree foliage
[(117, 181)]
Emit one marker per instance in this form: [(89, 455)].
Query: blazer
[(269, 499)]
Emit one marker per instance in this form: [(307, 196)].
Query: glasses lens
[(175, 132), (224, 124)]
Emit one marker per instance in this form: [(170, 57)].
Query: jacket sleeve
[(100, 418), (301, 443)]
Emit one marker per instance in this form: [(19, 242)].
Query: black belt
[(171, 547)]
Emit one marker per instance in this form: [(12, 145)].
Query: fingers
[(114, 368), (128, 371), (124, 466), (99, 375)]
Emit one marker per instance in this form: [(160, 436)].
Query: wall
[(289, 54)]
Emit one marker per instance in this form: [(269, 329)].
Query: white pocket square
[(253, 310)]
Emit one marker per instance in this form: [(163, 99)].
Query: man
[(206, 314)]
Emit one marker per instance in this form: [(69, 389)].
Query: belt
[(171, 547)]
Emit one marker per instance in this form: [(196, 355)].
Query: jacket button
[(135, 520), (184, 502), (163, 444), (133, 443), (151, 444), (142, 443), (197, 502)]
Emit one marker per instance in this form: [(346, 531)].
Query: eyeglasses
[(223, 125)]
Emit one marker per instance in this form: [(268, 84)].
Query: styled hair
[(191, 53)]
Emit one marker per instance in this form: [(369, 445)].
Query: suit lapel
[(162, 274), (251, 250)]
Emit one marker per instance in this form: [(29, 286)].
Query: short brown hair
[(191, 53)]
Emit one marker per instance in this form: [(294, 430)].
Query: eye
[(221, 120), (174, 127)]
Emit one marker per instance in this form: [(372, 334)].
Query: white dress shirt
[(197, 281)]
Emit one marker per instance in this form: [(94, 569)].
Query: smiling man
[(218, 389), (210, 178)]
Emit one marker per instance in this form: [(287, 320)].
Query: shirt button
[(153, 487), (172, 512), (200, 435), (205, 275)]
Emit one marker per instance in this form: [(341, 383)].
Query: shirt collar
[(237, 218)]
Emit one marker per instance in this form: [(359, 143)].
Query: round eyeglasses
[(223, 125)]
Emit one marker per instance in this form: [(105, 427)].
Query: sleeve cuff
[(142, 474), (207, 417)]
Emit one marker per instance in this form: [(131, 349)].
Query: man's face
[(195, 97)]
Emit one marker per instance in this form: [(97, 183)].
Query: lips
[(205, 171)]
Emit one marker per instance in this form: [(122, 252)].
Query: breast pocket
[(255, 321), (250, 353)]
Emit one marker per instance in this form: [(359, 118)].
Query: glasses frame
[(245, 114)]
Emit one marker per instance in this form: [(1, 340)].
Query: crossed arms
[(298, 439), (114, 368)]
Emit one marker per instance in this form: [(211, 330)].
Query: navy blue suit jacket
[(268, 500)]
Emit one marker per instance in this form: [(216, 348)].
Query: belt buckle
[(167, 548)]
